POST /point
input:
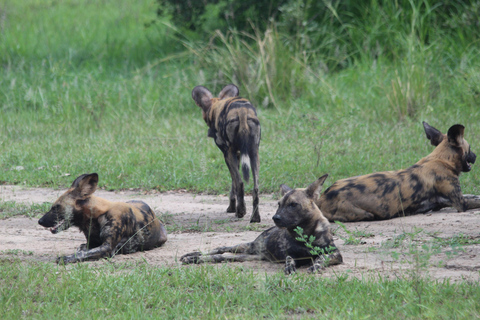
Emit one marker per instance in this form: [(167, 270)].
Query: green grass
[(122, 291), (16, 252), (351, 236), (12, 208)]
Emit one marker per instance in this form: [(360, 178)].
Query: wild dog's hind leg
[(347, 212), (198, 257), (217, 258), (232, 198), (232, 162), (255, 163)]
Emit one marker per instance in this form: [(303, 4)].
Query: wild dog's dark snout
[(42, 221), (47, 220), (276, 218), (471, 157)]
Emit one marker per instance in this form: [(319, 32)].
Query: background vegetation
[(340, 89)]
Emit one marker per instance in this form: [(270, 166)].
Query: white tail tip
[(245, 160)]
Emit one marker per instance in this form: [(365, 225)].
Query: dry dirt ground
[(399, 247)]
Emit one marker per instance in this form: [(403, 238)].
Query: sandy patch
[(199, 222)]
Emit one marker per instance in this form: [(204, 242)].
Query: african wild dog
[(297, 208), (233, 124), (430, 184), (110, 227)]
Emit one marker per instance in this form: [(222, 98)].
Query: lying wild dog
[(234, 126), (430, 184), (297, 208), (110, 227)]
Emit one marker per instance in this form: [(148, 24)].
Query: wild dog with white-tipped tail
[(233, 124)]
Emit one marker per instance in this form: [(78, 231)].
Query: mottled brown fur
[(430, 184), (297, 208), (109, 227), (234, 126)]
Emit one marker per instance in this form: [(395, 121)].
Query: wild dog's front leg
[(110, 236), (471, 201), (451, 190), (103, 251), (289, 266), (323, 261)]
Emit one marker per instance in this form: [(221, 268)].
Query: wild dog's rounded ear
[(77, 181), (202, 97), (284, 189), (87, 184), (455, 134), (313, 190), (434, 135), (229, 91)]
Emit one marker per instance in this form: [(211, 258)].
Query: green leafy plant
[(309, 243)]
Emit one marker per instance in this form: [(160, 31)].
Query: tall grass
[(86, 86)]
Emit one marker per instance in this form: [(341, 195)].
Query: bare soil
[(199, 222)]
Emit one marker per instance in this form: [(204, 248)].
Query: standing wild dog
[(430, 184), (110, 227), (297, 208), (233, 124)]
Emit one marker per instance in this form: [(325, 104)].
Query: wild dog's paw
[(241, 210), (255, 217), (83, 247), (316, 268), (318, 265), (78, 256), (68, 259), (231, 208), (289, 266), (192, 257)]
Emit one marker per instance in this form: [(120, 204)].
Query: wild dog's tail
[(244, 133)]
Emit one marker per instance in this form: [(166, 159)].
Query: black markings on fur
[(331, 193), (359, 187)]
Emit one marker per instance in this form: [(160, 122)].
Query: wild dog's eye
[(292, 204)]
